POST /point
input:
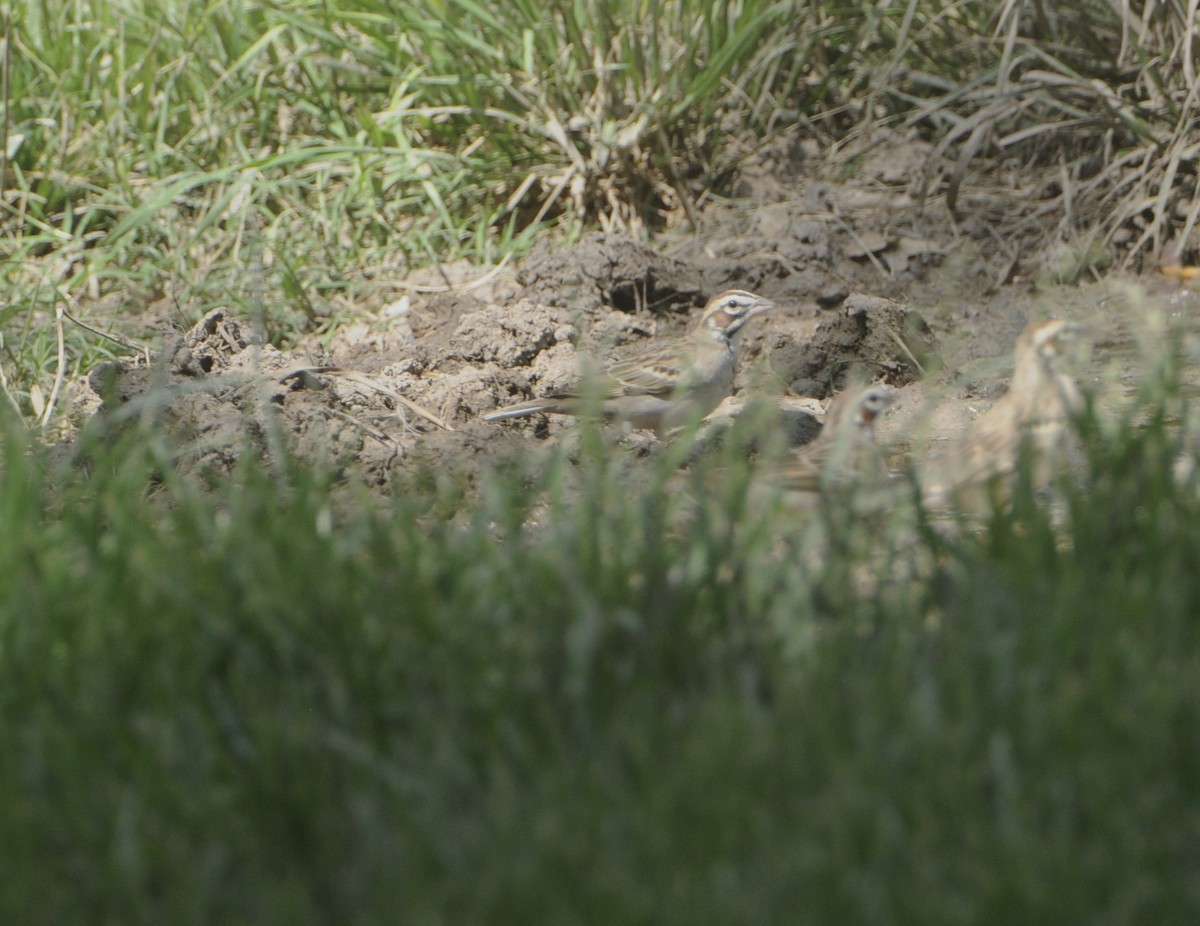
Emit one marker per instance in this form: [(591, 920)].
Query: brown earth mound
[(220, 393), (383, 394)]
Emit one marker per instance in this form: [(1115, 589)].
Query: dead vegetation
[(1091, 108)]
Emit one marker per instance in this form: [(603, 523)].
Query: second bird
[(1035, 415), (668, 385), (844, 455)]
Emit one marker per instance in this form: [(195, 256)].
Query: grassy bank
[(295, 159)]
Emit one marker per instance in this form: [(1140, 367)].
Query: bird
[(667, 385), (844, 455), (1035, 413)]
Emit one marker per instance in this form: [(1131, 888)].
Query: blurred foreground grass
[(261, 705)]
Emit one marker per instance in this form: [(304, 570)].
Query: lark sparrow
[(667, 385), (1035, 412), (844, 454)]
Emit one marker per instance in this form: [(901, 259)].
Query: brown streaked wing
[(988, 453), (655, 372), (803, 473)]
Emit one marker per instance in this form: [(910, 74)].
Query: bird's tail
[(522, 409)]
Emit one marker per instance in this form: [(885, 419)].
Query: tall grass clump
[(1093, 104), (183, 140), (595, 694), (611, 112)]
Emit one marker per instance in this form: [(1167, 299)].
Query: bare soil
[(865, 281)]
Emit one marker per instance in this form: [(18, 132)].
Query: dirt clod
[(890, 340), (609, 269)]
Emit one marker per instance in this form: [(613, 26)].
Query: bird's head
[(859, 408), (726, 313), (1047, 339), (1039, 347), (873, 402)]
